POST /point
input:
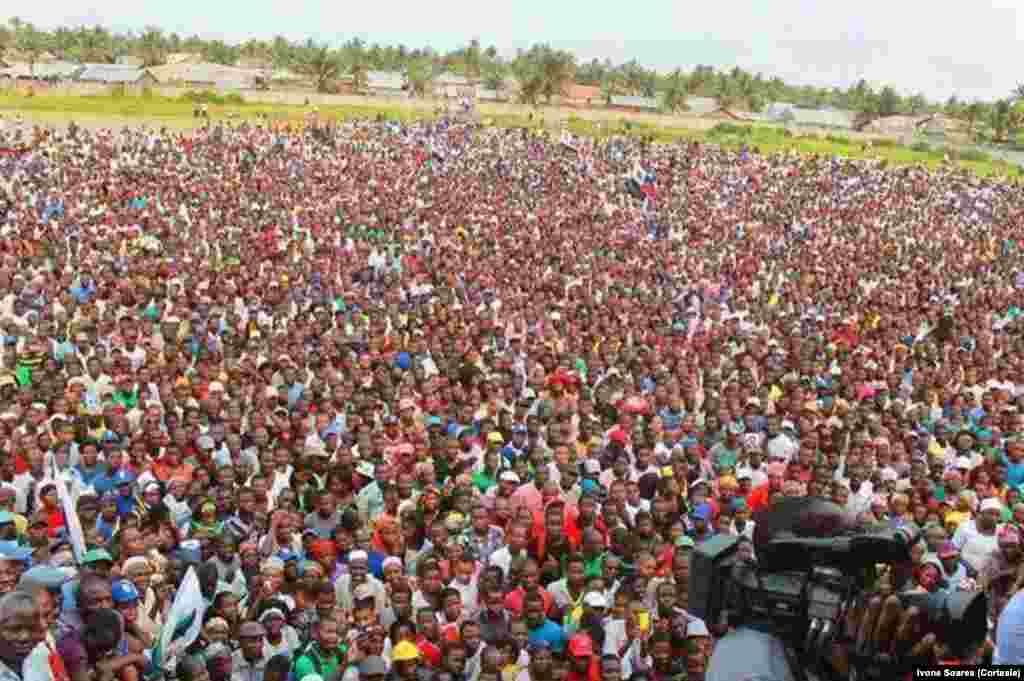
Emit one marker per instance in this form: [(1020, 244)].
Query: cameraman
[(882, 629)]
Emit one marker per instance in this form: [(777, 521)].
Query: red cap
[(580, 645)]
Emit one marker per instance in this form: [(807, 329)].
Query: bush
[(838, 139), (921, 146), (731, 129), (210, 97), (972, 155), (884, 143)]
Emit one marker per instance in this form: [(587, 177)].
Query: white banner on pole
[(71, 521)]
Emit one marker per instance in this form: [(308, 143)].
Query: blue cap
[(519, 428), (702, 511), (11, 550), (6, 517), (50, 578), (123, 477), (124, 591)]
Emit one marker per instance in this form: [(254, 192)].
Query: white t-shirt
[(975, 547)]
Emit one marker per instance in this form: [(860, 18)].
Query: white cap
[(963, 463), (991, 504), (595, 599), (510, 476)]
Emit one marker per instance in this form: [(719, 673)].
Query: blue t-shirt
[(549, 633)]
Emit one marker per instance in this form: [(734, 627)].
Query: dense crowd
[(448, 402)]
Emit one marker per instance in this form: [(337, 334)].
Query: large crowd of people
[(443, 401)]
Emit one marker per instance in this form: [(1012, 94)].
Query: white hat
[(991, 504), (510, 476), (595, 600), (889, 475), (696, 628), (963, 463)]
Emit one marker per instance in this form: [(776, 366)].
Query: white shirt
[(975, 547)]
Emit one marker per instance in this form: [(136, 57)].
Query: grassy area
[(178, 113)]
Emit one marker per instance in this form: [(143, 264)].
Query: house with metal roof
[(115, 74), (207, 75), (58, 70), (385, 83), (632, 103), (702, 105), (823, 119)]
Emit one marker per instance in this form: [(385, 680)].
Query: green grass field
[(177, 113)]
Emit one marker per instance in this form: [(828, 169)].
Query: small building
[(385, 84), (46, 71), (582, 95), (702, 106), (207, 76), (894, 125), (452, 86), (818, 118), (485, 95), (779, 112), (129, 77), (633, 103), (183, 58)]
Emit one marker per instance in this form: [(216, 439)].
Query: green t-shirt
[(313, 661), (483, 481)]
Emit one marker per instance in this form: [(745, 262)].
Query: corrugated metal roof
[(448, 78), (111, 73), (633, 101), (779, 111), (217, 74), (824, 119), (702, 105), (58, 69), (385, 80)]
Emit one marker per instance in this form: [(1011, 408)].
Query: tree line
[(541, 72)]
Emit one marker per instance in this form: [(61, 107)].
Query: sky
[(967, 49)]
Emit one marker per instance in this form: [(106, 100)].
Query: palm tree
[(322, 66), (971, 113), (1018, 92), (419, 74), (151, 46), (675, 92), (471, 58)]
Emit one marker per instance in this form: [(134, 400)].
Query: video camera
[(801, 587)]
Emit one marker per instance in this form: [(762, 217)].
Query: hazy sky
[(940, 49)]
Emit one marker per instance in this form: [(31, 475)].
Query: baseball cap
[(580, 645), (10, 550), (365, 468), (595, 600)]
